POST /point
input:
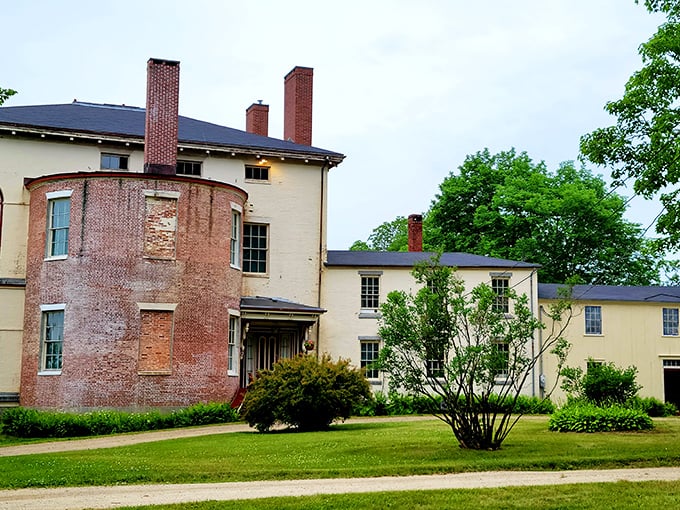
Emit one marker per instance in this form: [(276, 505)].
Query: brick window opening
[(160, 227), (255, 248), (234, 322), (257, 173), (58, 222), (189, 168), (52, 340), (114, 161), (235, 241), (155, 342)]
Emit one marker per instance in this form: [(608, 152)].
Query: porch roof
[(277, 308)]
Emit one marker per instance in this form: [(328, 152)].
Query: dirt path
[(72, 498)]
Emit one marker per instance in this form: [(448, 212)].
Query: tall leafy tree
[(644, 144), (507, 206), (459, 349), (388, 236)]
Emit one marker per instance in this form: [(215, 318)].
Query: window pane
[(52, 339), (369, 354), (670, 321), (57, 226), (593, 318), (370, 292), (255, 248)]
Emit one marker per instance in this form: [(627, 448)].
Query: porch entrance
[(264, 346), (671, 381)]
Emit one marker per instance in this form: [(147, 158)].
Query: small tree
[(304, 392), (602, 384), (446, 344), (5, 94)]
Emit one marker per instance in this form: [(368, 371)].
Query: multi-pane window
[(500, 286), (189, 168), (52, 339), (370, 292), (233, 344), (670, 321), (257, 173), (435, 367), (254, 248), (235, 242), (501, 358), (369, 354), (58, 222), (593, 317), (114, 161)]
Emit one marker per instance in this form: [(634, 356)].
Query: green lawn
[(348, 450), (599, 496)]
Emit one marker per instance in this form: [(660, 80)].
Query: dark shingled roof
[(409, 258), (129, 121), (654, 294), (260, 303)]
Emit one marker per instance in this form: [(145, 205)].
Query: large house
[(153, 260)]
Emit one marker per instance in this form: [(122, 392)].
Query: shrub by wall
[(587, 417)]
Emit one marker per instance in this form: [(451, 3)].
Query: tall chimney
[(415, 232), (257, 119), (162, 106), (297, 107)]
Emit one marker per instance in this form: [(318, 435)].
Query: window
[(114, 162), (501, 359), (257, 173), (189, 168), (593, 316), (370, 293), (156, 338), (235, 243), (58, 221), (500, 286), (254, 248), (52, 337), (435, 367), (233, 344), (160, 224), (1, 204), (670, 321), (369, 354)]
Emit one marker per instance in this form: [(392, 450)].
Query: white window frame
[(371, 373), (369, 294), (247, 261), (590, 322), (44, 311), (236, 238), (120, 156), (234, 342), (670, 325), (502, 302), (53, 197)]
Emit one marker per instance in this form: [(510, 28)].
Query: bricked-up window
[(160, 225), (51, 338), (235, 242), (257, 173), (114, 161), (58, 223), (370, 292), (155, 342), (234, 322), (500, 286), (671, 320), (369, 354), (593, 317), (189, 168), (255, 246)]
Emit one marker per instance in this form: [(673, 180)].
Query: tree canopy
[(506, 206), (644, 144), (5, 94)]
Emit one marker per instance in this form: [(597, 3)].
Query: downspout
[(533, 347), (322, 204), (540, 360)]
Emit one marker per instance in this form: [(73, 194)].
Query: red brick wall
[(160, 227), (106, 276), (155, 342), (415, 232), (162, 106), (297, 107), (257, 119)]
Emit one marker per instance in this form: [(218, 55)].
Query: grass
[(348, 450), (629, 495)]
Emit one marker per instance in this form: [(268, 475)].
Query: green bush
[(587, 417), (22, 422), (305, 392), (652, 406), (602, 383)]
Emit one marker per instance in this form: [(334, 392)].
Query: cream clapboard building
[(131, 279)]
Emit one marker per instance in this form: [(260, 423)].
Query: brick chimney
[(162, 106), (297, 107), (257, 119), (415, 232)]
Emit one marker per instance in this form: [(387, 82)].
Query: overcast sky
[(405, 89)]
